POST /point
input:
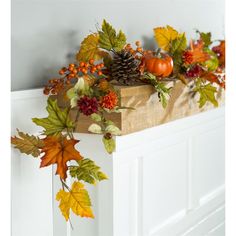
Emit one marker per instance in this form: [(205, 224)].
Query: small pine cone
[(88, 105), (124, 68)]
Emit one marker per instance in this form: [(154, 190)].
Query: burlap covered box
[(148, 110)]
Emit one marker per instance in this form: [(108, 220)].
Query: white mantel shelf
[(163, 181)]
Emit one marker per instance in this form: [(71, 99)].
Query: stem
[(103, 121), (112, 50), (64, 185), (71, 224), (70, 134), (72, 166), (76, 119), (158, 51)]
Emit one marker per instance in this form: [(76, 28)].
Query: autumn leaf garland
[(198, 62), (87, 86), (58, 147)]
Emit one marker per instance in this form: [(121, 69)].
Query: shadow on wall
[(149, 43), (53, 50)]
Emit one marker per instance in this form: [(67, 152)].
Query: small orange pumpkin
[(159, 66)]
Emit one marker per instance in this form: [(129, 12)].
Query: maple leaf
[(28, 144), (57, 119), (195, 54), (108, 39), (77, 200), (177, 47), (89, 49), (58, 150), (120, 41), (206, 38), (164, 36), (213, 78), (207, 93), (179, 44), (87, 171), (220, 52)]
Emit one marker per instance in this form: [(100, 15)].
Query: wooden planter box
[(148, 110)]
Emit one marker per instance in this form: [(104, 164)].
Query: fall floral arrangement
[(104, 60)]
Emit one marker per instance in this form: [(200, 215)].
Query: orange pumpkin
[(159, 66)]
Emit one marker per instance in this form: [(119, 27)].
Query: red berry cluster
[(194, 71), (87, 105)]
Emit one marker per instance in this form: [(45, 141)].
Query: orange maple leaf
[(58, 150), (195, 54)]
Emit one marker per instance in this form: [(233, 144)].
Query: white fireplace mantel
[(163, 181)]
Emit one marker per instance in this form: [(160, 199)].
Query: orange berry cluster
[(54, 86), (84, 67), (71, 72), (138, 53)]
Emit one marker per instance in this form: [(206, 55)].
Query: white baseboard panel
[(207, 219), (219, 230)]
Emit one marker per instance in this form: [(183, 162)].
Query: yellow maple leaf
[(164, 36), (77, 200), (89, 49)]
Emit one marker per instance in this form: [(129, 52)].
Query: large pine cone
[(124, 68)]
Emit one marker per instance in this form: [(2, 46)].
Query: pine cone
[(124, 68)]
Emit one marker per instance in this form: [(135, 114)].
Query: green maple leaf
[(179, 44), (161, 89), (207, 94), (57, 119), (87, 171), (177, 47), (120, 41), (206, 38), (108, 39), (28, 144)]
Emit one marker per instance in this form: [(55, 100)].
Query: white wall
[(44, 32)]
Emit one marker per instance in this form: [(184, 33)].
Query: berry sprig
[(88, 69), (138, 52)]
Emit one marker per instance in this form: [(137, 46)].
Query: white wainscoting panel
[(163, 181), (31, 187)]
